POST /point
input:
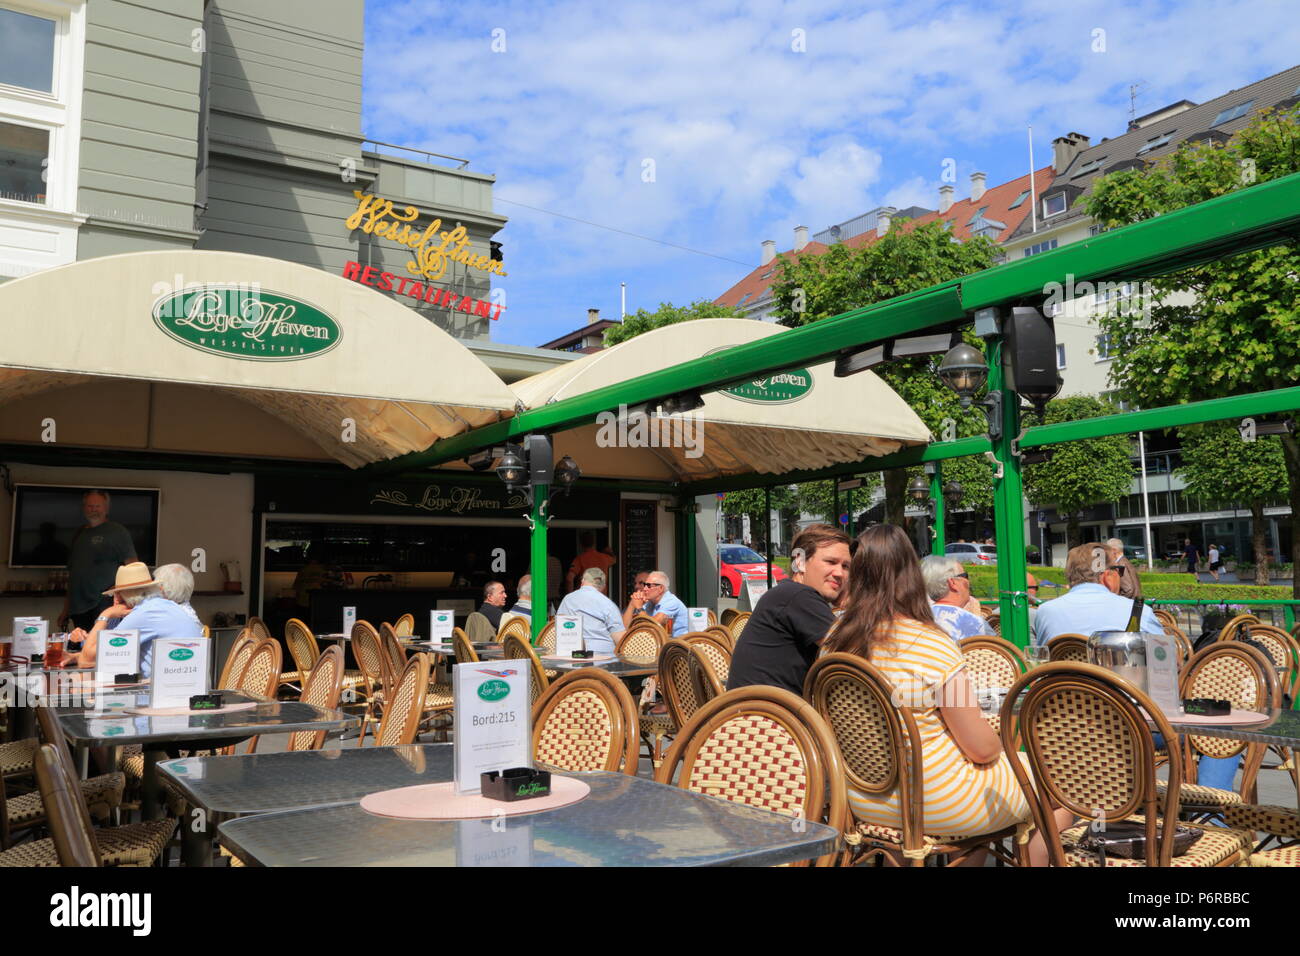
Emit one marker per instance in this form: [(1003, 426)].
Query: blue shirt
[(958, 621), (158, 617), (675, 609), (1086, 608), (601, 618)]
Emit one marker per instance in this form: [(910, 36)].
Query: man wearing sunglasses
[(1129, 585), (948, 585)]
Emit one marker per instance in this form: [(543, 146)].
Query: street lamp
[(513, 470), (952, 492), (963, 369), (566, 473), (918, 489)]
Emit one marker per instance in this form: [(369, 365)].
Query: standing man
[(589, 557), (1129, 585), (99, 548), (602, 625), (1191, 554), (948, 586), (1215, 561), (664, 606)]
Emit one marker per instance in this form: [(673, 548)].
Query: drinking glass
[(54, 650), (1036, 654)]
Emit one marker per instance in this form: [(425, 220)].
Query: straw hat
[(132, 577)]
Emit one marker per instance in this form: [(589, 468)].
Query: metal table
[(1282, 729), (620, 667), (625, 821)]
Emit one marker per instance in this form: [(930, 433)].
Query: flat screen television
[(46, 520)]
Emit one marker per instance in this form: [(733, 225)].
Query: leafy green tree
[(1240, 331), (750, 501), (1218, 464), (667, 314), (1080, 473), (905, 259)]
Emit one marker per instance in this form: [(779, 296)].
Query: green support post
[(537, 556), (767, 529), (835, 507), (1009, 510), (686, 557), (938, 542)]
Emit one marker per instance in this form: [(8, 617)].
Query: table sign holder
[(568, 635), (118, 653), (441, 624), (754, 588), (697, 618), (349, 620), (29, 636), (492, 720), (180, 670), (1162, 674)]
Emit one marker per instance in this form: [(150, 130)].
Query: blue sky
[(715, 125)]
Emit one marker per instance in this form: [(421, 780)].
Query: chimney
[(977, 181), (945, 198), (769, 250), (883, 217), (593, 315), (1065, 148), (800, 237)]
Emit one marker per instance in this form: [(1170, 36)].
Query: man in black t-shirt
[(784, 634)]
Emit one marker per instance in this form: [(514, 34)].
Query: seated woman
[(970, 789)]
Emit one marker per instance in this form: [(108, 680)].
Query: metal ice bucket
[(1123, 653)]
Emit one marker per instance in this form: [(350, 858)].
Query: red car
[(736, 561)]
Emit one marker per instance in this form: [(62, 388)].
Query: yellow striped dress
[(962, 798)]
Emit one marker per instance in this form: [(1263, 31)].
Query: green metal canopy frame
[(1253, 218)]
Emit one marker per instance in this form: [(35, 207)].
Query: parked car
[(736, 561), (973, 553)]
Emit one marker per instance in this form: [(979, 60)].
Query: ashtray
[(126, 678), (36, 659), (584, 655), (1207, 707), (205, 701), (517, 783)]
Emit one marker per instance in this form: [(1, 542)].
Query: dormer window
[(1019, 199), (1054, 205), (1233, 112), (1091, 166), (1157, 142)]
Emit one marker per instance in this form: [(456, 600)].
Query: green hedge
[(1172, 587)]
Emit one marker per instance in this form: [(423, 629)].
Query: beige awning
[(792, 420), (358, 373)]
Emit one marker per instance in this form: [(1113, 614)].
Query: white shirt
[(1214, 555)]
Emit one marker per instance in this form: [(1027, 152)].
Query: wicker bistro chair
[(260, 677), (737, 625), (72, 834), (1241, 674), (405, 625), (517, 626), (727, 616), (516, 648), (586, 721), (1276, 823), (712, 617), (303, 649), (717, 651), (645, 640), (257, 627), (322, 688), (1091, 752), (1166, 617), (1183, 643), (236, 660), (723, 635), (992, 662), (1281, 647), (679, 681), (546, 640), (376, 668), (881, 749), (464, 650), (1068, 647), (1229, 631), (405, 705), (765, 748)]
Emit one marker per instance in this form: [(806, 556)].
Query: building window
[(24, 162), (1157, 142), (1038, 247), (1091, 166), (27, 51), (1054, 205), (1103, 348), (1019, 199), (766, 275), (978, 216), (1096, 230), (1233, 112), (1060, 355)]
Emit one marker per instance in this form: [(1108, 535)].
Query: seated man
[(481, 627), (524, 603), (602, 624), (139, 605), (1091, 604), (664, 606), (636, 603), (948, 586)]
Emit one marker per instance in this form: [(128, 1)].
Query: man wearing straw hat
[(139, 604)]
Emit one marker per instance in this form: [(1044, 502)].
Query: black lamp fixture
[(566, 473), (512, 469), (952, 492), (964, 370), (681, 403), (918, 489)]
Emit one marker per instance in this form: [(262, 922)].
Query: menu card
[(568, 634), (755, 588), (441, 624), (180, 670), (118, 653), (698, 618), (492, 717), (29, 636), (349, 619), (1162, 674)]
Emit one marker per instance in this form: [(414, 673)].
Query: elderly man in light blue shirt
[(602, 621), (660, 600), (1092, 603)]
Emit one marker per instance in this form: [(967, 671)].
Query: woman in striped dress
[(969, 788)]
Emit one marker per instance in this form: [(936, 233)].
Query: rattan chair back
[(994, 622), (517, 649), (1229, 631), (520, 627), (992, 661), (586, 721), (1068, 647), (727, 615), (1091, 752), (644, 639), (1281, 647), (321, 688), (546, 640), (257, 627), (715, 649), (763, 747), (465, 653), (404, 626), (404, 705), (679, 681), (1166, 617), (261, 675), (69, 822), (393, 649), (1184, 645), (737, 625), (302, 646), (722, 634), (371, 657), (1238, 673), (712, 616), (236, 660)]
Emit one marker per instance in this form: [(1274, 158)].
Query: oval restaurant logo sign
[(181, 654), (493, 690), (117, 641), (570, 624), (778, 389), (246, 321)]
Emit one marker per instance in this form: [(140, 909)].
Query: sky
[(703, 128)]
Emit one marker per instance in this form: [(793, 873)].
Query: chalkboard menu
[(640, 550)]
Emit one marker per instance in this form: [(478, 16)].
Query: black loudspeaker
[(541, 460), (1030, 349)]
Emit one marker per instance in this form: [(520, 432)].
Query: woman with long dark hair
[(969, 787)]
